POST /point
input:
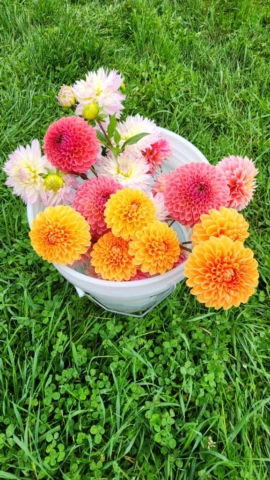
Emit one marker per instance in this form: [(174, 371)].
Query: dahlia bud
[(66, 97), (54, 181), (90, 111)]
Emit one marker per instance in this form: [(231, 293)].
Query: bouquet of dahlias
[(110, 208)]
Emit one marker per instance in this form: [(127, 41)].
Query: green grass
[(87, 394)]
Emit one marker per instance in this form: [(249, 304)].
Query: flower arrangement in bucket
[(108, 204)]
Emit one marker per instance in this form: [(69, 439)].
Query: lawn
[(182, 394)]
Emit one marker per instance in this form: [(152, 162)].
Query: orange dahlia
[(225, 221), (128, 211), (60, 235), (155, 248), (111, 258), (222, 273)]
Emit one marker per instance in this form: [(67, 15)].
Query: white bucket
[(128, 297)]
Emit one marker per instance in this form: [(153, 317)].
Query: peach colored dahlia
[(128, 211), (194, 189), (222, 273), (155, 248), (225, 221), (90, 200), (240, 173), (60, 235), (71, 145), (111, 258)]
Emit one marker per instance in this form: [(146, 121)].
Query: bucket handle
[(165, 294)]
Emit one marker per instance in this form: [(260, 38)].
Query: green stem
[(104, 133)]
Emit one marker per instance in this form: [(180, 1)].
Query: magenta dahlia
[(71, 145), (240, 173), (194, 189), (90, 200)]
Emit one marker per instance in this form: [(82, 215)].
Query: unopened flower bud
[(54, 181), (66, 97), (90, 111)]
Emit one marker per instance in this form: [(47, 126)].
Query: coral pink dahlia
[(156, 154), (194, 189), (240, 173), (90, 200), (71, 144)]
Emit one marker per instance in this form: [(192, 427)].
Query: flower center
[(56, 236), (228, 275), (59, 139), (26, 174), (201, 187), (125, 171)]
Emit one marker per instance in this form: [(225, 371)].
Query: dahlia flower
[(240, 173), (162, 213), (66, 96), (140, 276), (225, 221), (57, 188), (156, 154), (71, 144), (111, 258), (60, 235), (194, 189), (101, 87), (160, 183), (23, 169), (133, 125), (222, 273), (155, 248), (129, 171), (181, 259), (90, 200), (127, 211)]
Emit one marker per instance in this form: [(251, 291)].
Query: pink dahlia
[(182, 258), (71, 145), (156, 154), (194, 189), (240, 173), (90, 200), (140, 276), (160, 183)]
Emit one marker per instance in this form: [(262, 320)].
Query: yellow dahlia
[(155, 248), (111, 258), (222, 273), (225, 221), (128, 211), (60, 235)]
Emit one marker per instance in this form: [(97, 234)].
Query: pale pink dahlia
[(71, 144), (58, 188), (194, 189), (90, 200), (162, 213), (23, 169), (134, 125), (159, 185), (101, 87), (128, 170), (156, 154), (240, 173)]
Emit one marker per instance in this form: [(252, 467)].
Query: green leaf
[(101, 137), (134, 139), (117, 137), (112, 126)]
